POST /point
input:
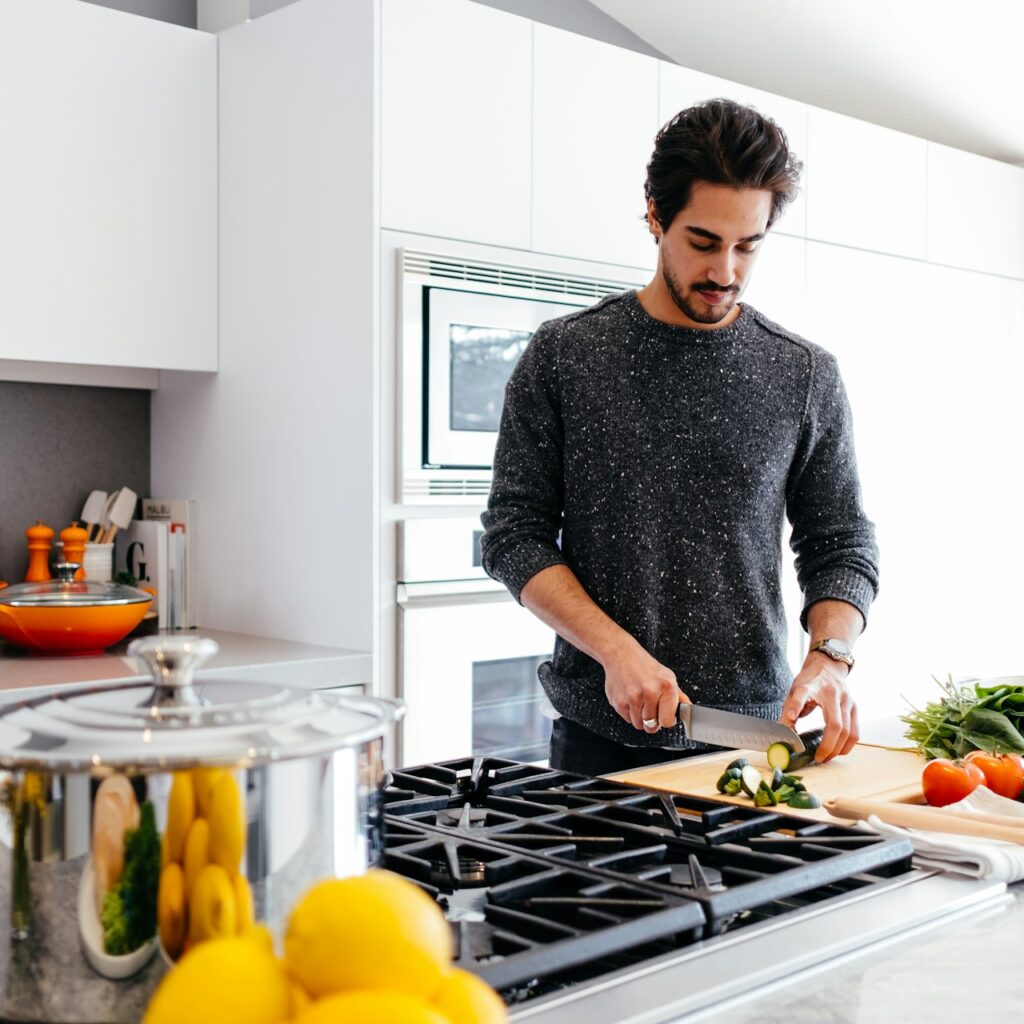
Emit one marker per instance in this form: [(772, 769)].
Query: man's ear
[(653, 225)]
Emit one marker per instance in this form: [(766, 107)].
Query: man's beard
[(702, 313)]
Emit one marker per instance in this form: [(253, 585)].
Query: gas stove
[(593, 900)]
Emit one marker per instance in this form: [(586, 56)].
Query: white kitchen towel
[(965, 855)]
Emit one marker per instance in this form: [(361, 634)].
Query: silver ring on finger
[(650, 723)]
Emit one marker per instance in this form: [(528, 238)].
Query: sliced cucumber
[(806, 756), (783, 793), (779, 755), (792, 780), (765, 796), (777, 778), (733, 787), (740, 762), (804, 801), (750, 778)]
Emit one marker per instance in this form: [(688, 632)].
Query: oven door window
[(473, 342), (507, 720)]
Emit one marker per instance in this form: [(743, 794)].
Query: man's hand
[(821, 683), (639, 687)]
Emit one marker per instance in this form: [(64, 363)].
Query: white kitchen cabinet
[(865, 185), (455, 121), (682, 87), (108, 188), (595, 113), (975, 212)]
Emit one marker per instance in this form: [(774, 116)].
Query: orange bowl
[(71, 629)]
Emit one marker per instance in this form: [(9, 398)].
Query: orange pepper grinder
[(40, 537), (74, 538)]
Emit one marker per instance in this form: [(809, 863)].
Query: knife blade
[(729, 729)]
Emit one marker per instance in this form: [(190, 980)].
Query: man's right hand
[(639, 687)]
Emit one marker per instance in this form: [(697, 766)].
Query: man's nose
[(722, 269)]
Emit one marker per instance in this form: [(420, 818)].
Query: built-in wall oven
[(464, 323), (468, 652)]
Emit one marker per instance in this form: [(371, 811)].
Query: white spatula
[(92, 512), (121, 512)]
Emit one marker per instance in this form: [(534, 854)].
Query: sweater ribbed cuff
[(840, 584), (518, 563)]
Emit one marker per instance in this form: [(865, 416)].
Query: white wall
[(278, 448)]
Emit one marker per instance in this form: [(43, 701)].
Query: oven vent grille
[(455, 487), (452, 268)]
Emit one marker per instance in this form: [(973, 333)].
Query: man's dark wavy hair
[(723, 143)]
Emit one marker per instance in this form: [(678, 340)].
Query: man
[(666, 432)]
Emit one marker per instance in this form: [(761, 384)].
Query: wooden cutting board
[(867, 771)]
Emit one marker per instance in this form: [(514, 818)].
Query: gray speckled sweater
[(667, 457)]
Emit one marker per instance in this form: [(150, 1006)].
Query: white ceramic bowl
[(90, 932)]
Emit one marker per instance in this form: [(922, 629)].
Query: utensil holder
[(99, 561)]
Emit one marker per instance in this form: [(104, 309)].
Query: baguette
[(114, 812)]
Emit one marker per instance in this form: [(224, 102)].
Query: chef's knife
[(728, 729)]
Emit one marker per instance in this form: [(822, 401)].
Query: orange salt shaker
[(39, 537), (74, 538)]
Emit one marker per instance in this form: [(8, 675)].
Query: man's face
[(708, 252)]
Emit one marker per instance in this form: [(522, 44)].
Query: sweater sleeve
[(524, 511), (834, 541)]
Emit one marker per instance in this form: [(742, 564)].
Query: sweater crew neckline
[(678, 333)]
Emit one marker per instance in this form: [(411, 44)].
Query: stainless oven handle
[(437, 592)]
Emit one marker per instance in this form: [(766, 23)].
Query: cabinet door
[(455, 121), (683, 87), (975, 212), (865, 185), (108, 191), (595, 113), (777, 285)]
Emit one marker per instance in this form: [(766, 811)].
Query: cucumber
[(740, 762), (783, 793), (750, 779), (804, 801), (777, 778), (806, 756), (765, 796), (779, 755), (733, 787)]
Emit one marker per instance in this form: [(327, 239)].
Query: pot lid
[(176, 722), (66, 590)]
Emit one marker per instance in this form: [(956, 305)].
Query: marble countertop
[(959, 969), (260, 659)]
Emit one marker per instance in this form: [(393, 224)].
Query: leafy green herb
[(129, 909), (968, 718)]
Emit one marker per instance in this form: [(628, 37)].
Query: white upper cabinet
[(865, 185), (595, 113), (108, 189), (975, 212), (455, 121), (777, 285), (682, 87)]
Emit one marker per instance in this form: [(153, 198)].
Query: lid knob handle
[(66, 571), (172, 661)]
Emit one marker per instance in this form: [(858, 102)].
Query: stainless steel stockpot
[(137, 820)]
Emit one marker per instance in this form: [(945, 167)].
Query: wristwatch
[(837, 650)]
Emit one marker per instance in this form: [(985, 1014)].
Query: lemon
[(381, 1006), (203, 781), (227, 824), (181, 810), (465, 999), (300, 1000), (170, 909), (373, 931), (211, 908), (230, 981), (197, 853), (243, 904)]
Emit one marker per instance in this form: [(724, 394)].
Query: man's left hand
[(821, 683)]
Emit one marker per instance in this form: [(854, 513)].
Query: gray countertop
[(260, 659)]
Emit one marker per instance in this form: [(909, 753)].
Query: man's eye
[(746, 248), (702, 248)]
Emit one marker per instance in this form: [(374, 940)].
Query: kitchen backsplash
[(58, 443)]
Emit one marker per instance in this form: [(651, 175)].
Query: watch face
[(839, 646)]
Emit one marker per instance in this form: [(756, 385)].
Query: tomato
[(1004, 773), (945, 782)]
